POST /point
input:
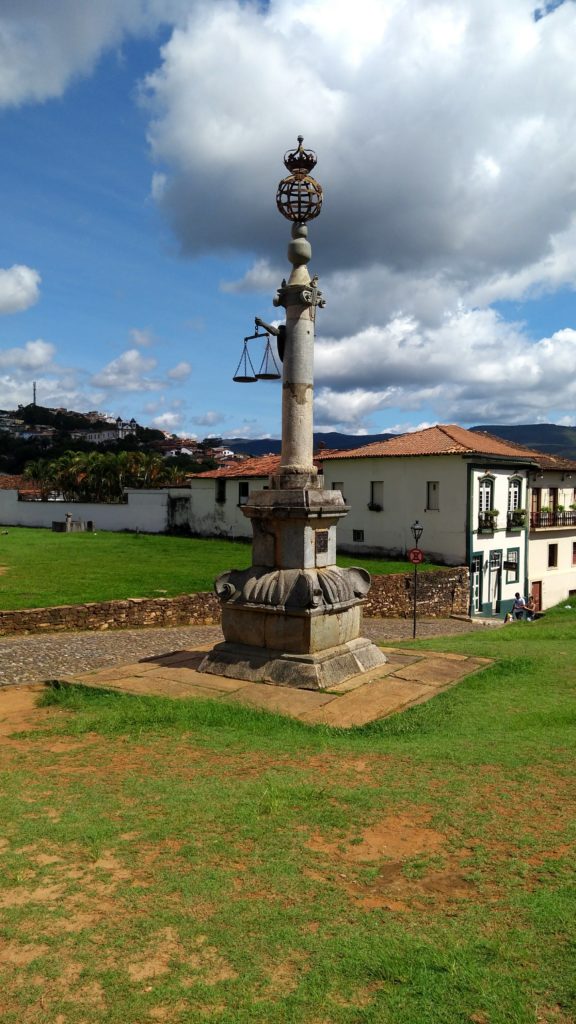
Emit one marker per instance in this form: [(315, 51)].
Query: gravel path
[(32, 659)]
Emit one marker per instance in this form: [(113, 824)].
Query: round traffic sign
[(416, 555)]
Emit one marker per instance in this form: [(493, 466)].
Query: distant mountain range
[(544, 437)]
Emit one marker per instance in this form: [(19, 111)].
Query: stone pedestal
[(293, 618)]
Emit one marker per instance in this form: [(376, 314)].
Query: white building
[(217, 497), (471, 492)]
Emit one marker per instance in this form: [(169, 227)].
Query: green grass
[(190, 860), (43, 569)]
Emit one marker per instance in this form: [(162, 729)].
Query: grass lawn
[(188, 861), (39, 568)]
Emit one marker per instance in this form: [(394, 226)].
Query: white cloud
[(208, 419), (181, 371), (141, 338), (34, 355), (444, 131), (169, 421), (473, 368), (129, 372), (260, 277), (19, 288), (44, 45)]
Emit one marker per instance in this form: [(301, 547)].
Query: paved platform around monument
[(408, 678)]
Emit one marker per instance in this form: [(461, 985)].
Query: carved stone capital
[(299, 295), (293, 589)]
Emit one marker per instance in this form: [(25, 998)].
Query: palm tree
[(41, 473)]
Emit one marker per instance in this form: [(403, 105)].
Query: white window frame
[(485, 494)]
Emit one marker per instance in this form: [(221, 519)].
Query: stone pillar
[(293, 618), (300, 298)]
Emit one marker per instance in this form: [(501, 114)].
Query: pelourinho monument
[(294, 617)]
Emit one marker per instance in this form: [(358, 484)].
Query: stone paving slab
[(438, 672), (376, 699), (362, 699)]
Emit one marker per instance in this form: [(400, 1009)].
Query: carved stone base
[(304, 671)]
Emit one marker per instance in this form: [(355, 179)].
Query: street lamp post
[(417, 557)]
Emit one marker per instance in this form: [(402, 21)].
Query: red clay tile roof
[(443, 439), (264, 465), (13, 483), (20, 484)]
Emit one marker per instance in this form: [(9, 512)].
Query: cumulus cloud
[(34, 355), (208, 419), (447, 153), (474, 367), (261, 277), (19, 288), (181, 371), (129, 372), (437, 126), (43, 46), (169, 421), (141, 338)]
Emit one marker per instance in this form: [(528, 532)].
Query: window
[(573, 552), (512, 565), (358, 536), (495, 561), (432, 496), (376, 495), (243, 491), (338, 485), (514, 495), (220, 491), (485, 495), (552, 556), (553, 498)]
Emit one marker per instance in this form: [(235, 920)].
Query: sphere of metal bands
[(299, 198)]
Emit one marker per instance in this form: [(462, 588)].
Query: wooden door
[(536, 591)]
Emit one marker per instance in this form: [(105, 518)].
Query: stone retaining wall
[(440, 594)]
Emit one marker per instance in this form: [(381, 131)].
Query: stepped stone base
[(319, 671)]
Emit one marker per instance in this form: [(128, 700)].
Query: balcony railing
[(549, 520), (487, 522), (515, 520)]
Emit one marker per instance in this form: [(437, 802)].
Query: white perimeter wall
[(146, 511)]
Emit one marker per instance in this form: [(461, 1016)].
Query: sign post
[(416, 556)]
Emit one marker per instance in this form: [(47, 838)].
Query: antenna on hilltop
[(33, 392)]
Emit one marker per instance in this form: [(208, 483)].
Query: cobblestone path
[(33, 659)]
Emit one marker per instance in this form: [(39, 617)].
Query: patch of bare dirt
[(397, 836), (392, 846), (206, 963), (19, 954), (284, 976)]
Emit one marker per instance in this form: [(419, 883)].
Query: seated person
[(518, 607)]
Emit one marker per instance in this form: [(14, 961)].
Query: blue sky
[(142, 144)]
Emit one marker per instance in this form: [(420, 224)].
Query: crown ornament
[(299, 196), (300, 161)]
